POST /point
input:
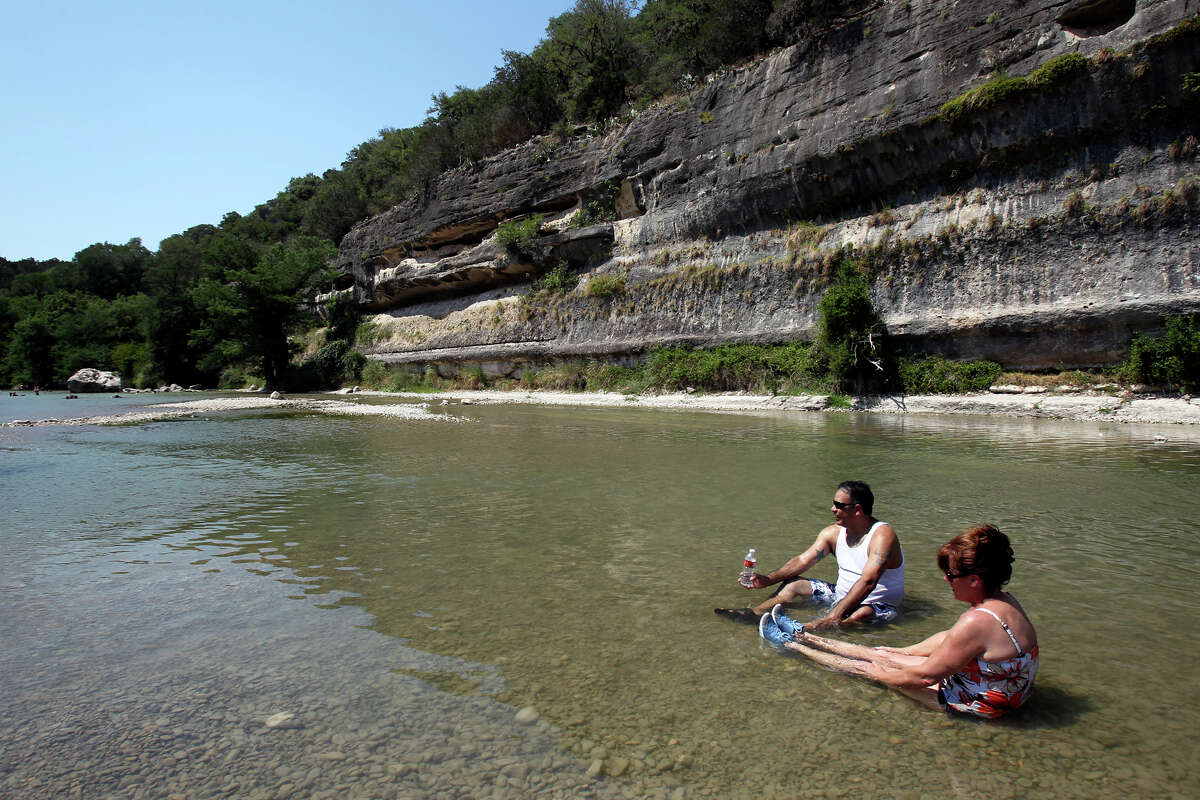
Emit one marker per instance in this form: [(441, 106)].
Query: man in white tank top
[(870, 583)]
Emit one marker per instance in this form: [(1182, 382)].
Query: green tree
[(182, 262), (250, 313), (530, 96), (698, 36), (336, 205), (28, 356), (110, 270), (382, 170), (592, 52)]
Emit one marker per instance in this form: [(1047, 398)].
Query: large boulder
[(93, 380)]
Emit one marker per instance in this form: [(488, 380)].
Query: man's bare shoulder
[(886, 532), (829, 534), (885, 544)]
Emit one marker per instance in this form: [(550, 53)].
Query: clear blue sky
[(126, 118)]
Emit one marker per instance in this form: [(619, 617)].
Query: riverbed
[(515, 600)]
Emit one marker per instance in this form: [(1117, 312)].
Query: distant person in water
[(984, 666), (870, 583)]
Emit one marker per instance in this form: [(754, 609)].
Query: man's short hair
[(860, 494)]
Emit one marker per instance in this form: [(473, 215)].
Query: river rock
[(282, 720), (89, 379), (527, 716)]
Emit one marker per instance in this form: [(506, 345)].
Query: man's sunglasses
[(843, 506)]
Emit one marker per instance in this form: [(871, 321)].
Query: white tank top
[(852, 560)]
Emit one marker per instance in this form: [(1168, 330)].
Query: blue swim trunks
[(825, 593)]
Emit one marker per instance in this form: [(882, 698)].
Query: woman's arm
[(922, 648), (952, 650)]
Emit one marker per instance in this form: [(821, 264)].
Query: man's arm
[(877, 558), (796, 566)]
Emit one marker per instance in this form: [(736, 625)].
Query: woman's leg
[(926, 696), (846, 649), (853, 666)]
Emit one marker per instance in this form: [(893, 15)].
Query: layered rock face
[(1037, 223)]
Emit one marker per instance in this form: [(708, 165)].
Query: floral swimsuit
[(991, 689)]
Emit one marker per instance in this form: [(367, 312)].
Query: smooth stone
[(282, 720), (527, 716), (595, 769)]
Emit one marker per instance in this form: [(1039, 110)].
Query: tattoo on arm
[(879, 558), (819, 555)]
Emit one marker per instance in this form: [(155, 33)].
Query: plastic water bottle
[(748, 568)]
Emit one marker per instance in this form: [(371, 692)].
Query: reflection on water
[(568, 560)]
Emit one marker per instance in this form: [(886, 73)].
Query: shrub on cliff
[(1001, 87), (850, 334), (990, 94), (519, 237), (1170, 360), (338, 362), (605, 285), (559, 280), (736, 367), (1059, 69), (938, 375)]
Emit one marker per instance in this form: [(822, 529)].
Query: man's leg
[(859, 616), (798, 588)]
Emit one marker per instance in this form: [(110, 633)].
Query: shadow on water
[(1051, 707)]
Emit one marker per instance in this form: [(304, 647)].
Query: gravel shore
[(1097, 407), (1082, 406), (190, 408)]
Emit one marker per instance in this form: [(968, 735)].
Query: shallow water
[(403, 588)]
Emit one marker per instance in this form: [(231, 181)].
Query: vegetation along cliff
[(1015, 182), (790, 196)]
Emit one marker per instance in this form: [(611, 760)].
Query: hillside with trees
[(237, 302), (184, 314)]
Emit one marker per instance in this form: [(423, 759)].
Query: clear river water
[(519, 604)]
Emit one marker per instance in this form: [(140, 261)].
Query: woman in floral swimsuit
[(983, 666)]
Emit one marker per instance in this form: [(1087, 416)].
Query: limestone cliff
[(1038, 223)]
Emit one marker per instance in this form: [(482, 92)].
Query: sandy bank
[(1082, 406), (191, 408), (1093, 407)]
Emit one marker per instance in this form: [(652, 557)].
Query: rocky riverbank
[(1088, 406), (1084, 406), (191, 408)]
